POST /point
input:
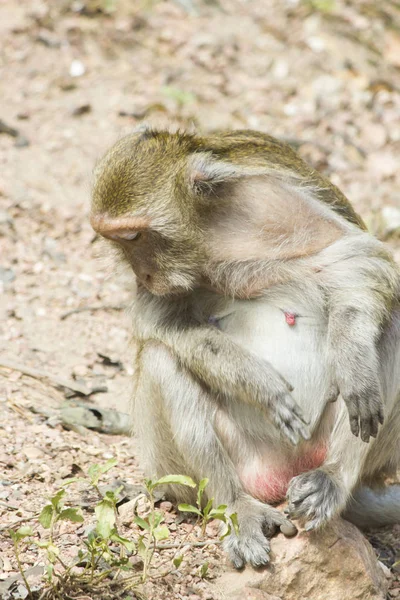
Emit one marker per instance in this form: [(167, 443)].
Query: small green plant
[(323, 6), (208, 513), (17, 537), (181, 97), (103, 564)]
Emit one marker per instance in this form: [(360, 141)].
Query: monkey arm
[(218, 362), (361, 289)]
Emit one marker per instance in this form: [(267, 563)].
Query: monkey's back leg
[(339, 484), (174, 423)]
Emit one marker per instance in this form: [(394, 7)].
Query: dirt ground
[(76, 75)]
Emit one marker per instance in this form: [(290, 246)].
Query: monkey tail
[(374, 508)]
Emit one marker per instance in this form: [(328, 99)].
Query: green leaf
[(94, 473), (72, 480), (105, 514), (228, 530), (148, 483), (218, 516), (56, 499), (52, 552), (177, 561), (208, 507), (161, 533), (155, 518), (49, 572), (113, 495), (24, 531), (180, 96), (202, 486), (204, 570), (141, 548), (71, 514), (142, 523), (46, 516), (108, 465), (234, 520), (175, 479), (189, 508), (325, 6), (130, 546), (218, 512), (21, 533)]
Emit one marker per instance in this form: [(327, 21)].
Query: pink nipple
[(290, 318)]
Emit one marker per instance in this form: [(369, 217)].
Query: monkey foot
[(315, 497), (257, 523)]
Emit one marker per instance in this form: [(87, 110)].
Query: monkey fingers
[(289, 420), (315, 498), (365, 412)]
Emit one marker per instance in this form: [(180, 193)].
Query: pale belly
[(295, 344)]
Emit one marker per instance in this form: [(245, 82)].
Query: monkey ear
[(206, 171)]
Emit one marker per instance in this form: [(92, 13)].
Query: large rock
[(337, 563)]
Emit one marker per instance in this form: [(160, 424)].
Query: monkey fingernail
[(288, 529)]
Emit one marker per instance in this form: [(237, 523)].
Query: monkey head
[(142, 202), (178, 205), (151, 199)]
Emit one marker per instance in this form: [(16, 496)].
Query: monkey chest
[(291, 336)]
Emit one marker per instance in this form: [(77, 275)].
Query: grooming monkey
[(260, 298)]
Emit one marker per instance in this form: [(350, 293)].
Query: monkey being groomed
[(261, 299)]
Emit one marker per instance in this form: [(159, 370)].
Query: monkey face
[(163, 265)]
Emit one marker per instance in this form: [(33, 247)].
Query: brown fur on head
[(177, 204)]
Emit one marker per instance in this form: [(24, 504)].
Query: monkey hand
[(257, 522), (282, 408), (363, 398), (315, 498)]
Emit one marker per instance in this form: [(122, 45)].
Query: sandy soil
[(75, 77)]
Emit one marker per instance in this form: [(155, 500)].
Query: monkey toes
[(252, 545), (315, 497)]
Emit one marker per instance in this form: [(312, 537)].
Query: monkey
[(261, 298)]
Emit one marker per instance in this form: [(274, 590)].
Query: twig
[(191, 544), (22, 412), (92, 308), (10, 506), (53, 379), (18, 522)]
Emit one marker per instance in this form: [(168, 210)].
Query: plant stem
[(150, 539), (21, 570)]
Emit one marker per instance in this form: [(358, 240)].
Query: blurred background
[(75, 75)]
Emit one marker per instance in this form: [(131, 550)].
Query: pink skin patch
[(290, 318), (272, 485)]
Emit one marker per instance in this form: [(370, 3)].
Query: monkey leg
[(317, 496), (174, 423), (373, 504)]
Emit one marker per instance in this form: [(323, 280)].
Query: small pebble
[(77, 68)]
